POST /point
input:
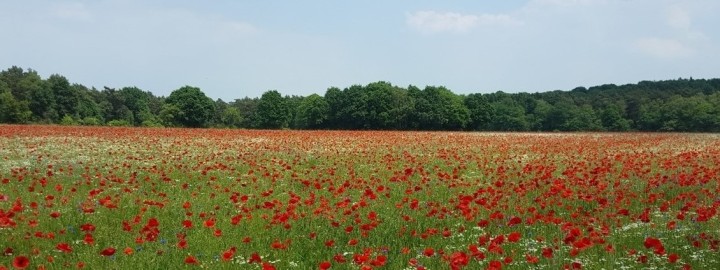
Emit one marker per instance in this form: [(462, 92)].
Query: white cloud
[(434, 22), (663, 48)]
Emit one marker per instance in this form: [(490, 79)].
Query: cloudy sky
[(232, 49)]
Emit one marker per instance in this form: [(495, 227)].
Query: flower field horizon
[(154, 198)]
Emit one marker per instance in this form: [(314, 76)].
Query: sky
[(233, 49)]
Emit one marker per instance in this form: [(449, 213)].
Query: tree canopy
[(192, 107), (671, 105)]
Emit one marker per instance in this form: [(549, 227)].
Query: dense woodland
[(673, 105)]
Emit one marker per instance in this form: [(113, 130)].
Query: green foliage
[(673, 105), (151, 123), (11, 110), (90, 121), (437, 108), (481, 111), (168, 115), (312, 112), (247, 107), (195, 108), (67, 98), (119, 123), (68, 121), (272, 111), (612, 119)]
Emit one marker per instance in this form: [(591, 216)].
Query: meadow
[(153, 198)]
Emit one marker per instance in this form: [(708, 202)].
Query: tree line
[(671, 105)]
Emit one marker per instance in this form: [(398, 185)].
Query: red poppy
[(547, 253), (64, 247), (255, 258), (88, 239), (325, 265), (267, 266), (459, 260), (429, 252), (339, 258), (21, 262), (191, 260), (87, 227), (494, 265), (228, 254), (108, 251), (209, 223), (514, 237), (187, 224), (380, 260)]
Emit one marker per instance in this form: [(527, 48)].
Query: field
[(133, 198)]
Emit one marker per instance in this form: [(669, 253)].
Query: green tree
[(169, 115), (540, 112), (509, 116), (247, 107), (481, 111), (388, 106), (13, 77), (612, 119), (558, 119), (136, 101), (195, 108), (312, 112), (336, 102), (226, 116), (584, 119), (67, 98), (272, 111), (12, 110), (437, 108), (87, 108)]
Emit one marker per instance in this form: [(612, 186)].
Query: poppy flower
[(191, 260), (108, 251), (339, 258), (267, 266), (547, 253), (187, 224), (459, 260), (494, 265), (64, 247), (429, 252), (87, 227), (325, 265), (514, 237), (228, 254), (255, 258), (21, 262)]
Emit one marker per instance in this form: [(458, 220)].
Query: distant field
[(134, 198)]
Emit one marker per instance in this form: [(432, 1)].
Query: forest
[(680, 105)]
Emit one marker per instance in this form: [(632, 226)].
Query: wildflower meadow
[(152, 198)]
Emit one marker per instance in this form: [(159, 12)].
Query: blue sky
[(233, 49)]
